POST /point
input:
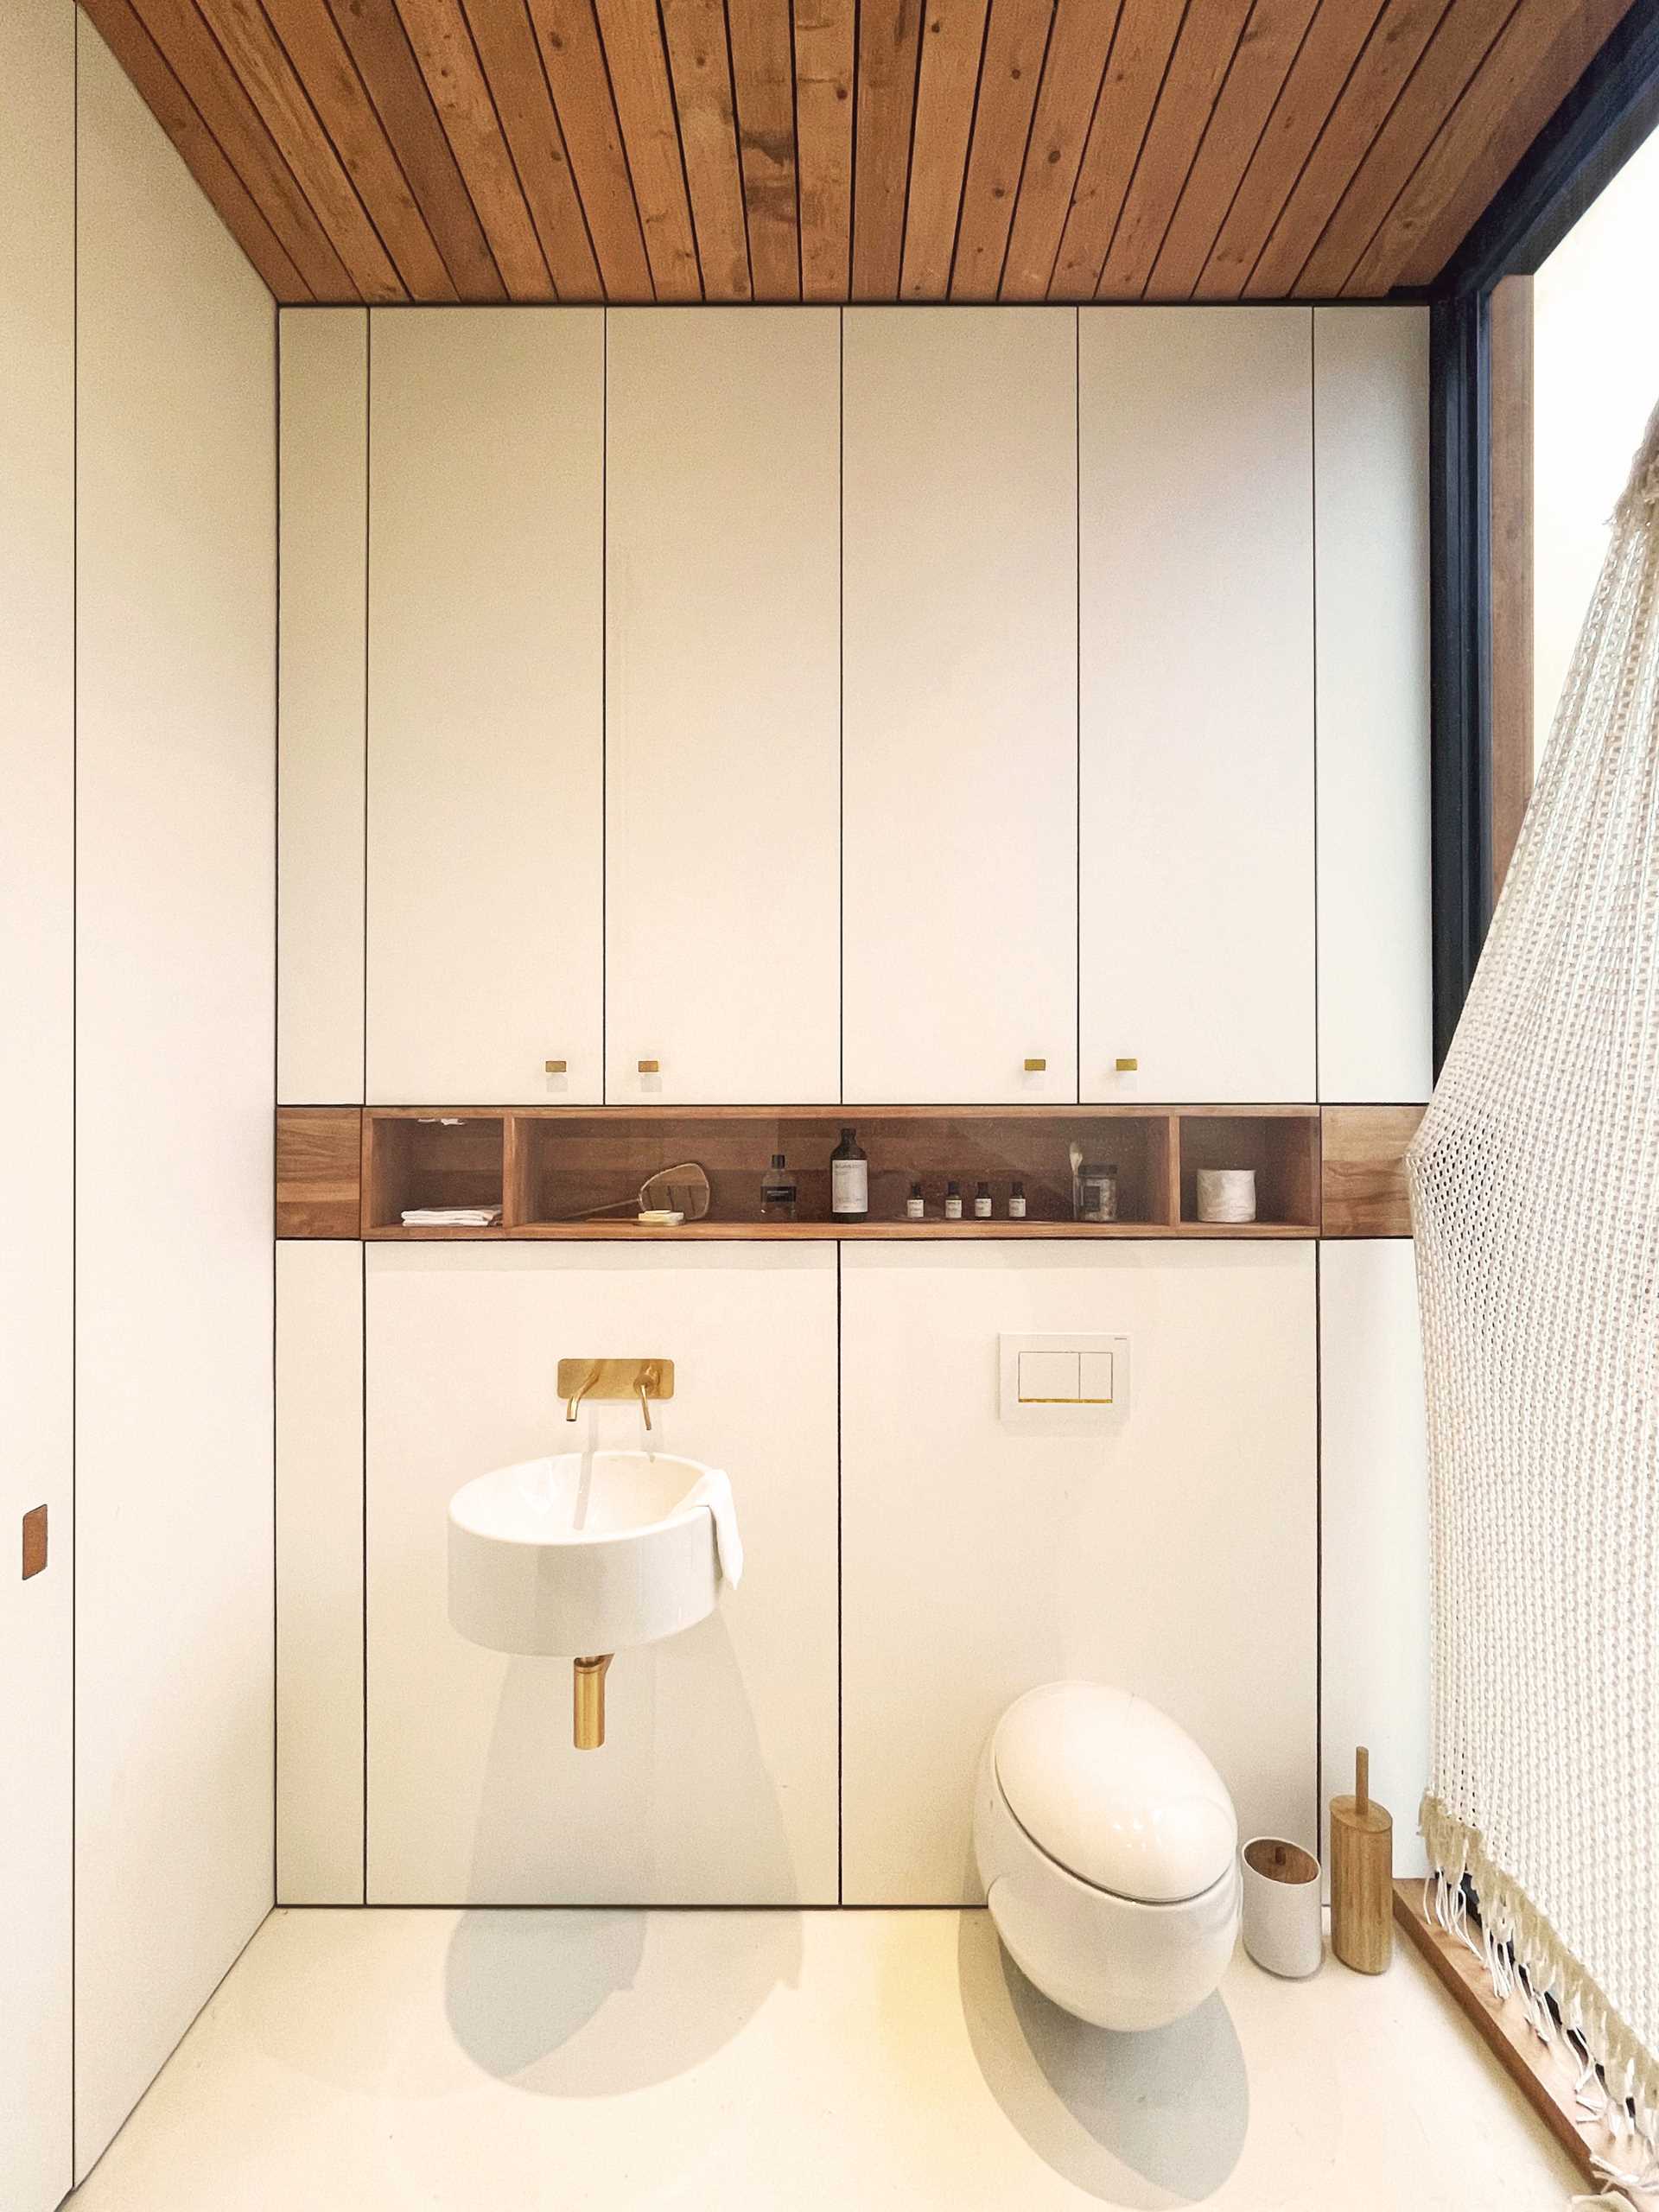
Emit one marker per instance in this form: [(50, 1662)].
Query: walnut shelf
[(546, 1166)]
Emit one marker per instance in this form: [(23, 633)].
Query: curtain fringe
[(1618, 2078)]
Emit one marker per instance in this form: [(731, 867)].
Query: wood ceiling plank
[(192, 54), (1198, 70), (257, 56), (1392, 52), (511, 62), (953, 39), (763, 73), (441, 37), (824, 68), (1522, 81), (632, 38), (1463, 39), (171, 105), (1016, 47), (1078, 49), (1140, 52), (576, 77), (323, 63), (1335, 39), (1267, 52), (701, 59), (386, 61), (889, 37)]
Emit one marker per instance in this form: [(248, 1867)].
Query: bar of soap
[(660, 1217)]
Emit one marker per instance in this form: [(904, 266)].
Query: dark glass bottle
[(850, 1180)]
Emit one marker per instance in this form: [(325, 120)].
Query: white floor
[(524, 2062)]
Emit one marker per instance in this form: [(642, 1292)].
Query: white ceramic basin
[(584, 1553)]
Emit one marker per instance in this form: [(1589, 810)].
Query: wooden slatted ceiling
[(442, 150)]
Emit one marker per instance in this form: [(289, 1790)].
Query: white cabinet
[(319, 1573), (37, 935), (1175, 1554), (1370, 436), (1196, 870), (959, 803), (1374, 1528), (485, 686), (717, 1785), (723, 729), (323, 516)]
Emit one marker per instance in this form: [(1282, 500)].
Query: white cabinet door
[(319, 1573), (1175, 1554), (960, 741), (37, 939), (323, 555), (486, 584), (1374, 1528), (1197, 634), (722, 721), (1370, 431), (717, 1785)]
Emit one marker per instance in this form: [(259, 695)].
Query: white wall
[(1595, 383), (176, 627), (36, 991)]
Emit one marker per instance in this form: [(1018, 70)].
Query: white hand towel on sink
[(714, 1488)]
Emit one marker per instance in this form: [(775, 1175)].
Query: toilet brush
[(1362, 1876)]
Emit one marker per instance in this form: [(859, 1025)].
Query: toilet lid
[(1115, 1791)]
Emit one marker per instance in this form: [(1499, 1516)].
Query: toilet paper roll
[(1283, 1928), (1226, 1194)]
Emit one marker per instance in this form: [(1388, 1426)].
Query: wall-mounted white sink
[(586, 1553)]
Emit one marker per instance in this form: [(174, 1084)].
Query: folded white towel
[(713, 1489), (451, 1217)]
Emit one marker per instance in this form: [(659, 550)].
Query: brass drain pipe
[(588, 1683)]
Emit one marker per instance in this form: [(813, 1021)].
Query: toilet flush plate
[(1064, 1385)]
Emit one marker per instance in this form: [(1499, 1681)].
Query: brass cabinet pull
[(556, 1067), (1127, 1067), (1035, 1067), (651, 1067), (33, 1542)]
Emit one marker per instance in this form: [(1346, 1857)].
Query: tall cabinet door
[(960, 745), (37, 935), (484, 767), (1197, 640), (722, 723)]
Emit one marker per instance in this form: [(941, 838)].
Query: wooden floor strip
[(1544, 2075)]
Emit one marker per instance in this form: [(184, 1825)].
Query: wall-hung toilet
[(1108, 1849)]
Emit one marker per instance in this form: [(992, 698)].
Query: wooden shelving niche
[(549, 1169)]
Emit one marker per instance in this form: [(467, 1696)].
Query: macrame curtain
[(1535, 1188)]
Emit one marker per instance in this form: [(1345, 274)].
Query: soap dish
[(660, 1217)]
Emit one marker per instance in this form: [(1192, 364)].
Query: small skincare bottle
[(1017, 1202), (982, 1203), (850, 1180), (953, 1202), (914, 1209), (778, 1192)]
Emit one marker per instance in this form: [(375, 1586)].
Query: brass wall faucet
[(614, 1379)]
